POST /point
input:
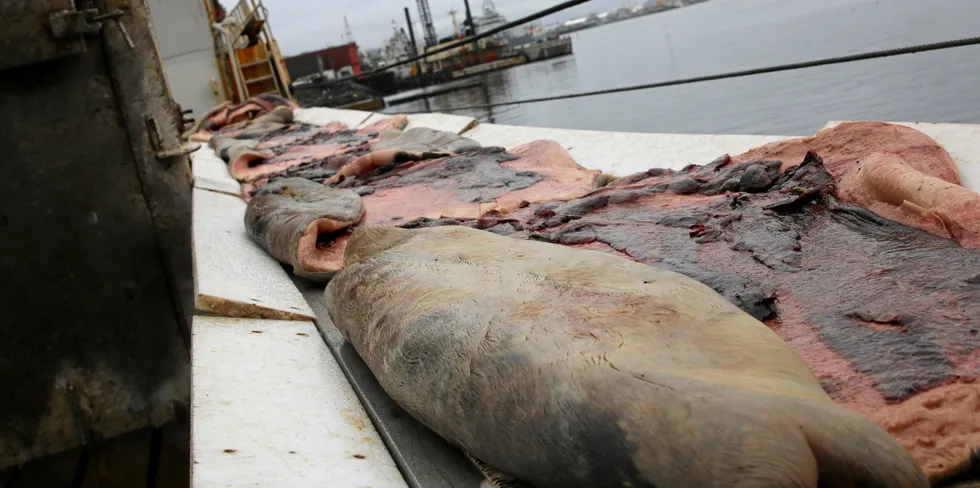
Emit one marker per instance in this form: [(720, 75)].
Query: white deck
[(271, 407), (211, 172), (445, 122), (324, 115), (234, 276)]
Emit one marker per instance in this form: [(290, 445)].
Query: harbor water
[(729, 35)]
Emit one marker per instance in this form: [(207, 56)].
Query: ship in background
[(505, 49), (317, 72)]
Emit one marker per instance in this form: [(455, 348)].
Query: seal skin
[(415, 144), (573, 368), (293, 219)]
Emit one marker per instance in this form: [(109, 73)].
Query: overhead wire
[(971, 41)]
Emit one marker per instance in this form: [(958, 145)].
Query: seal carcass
[(459, 186), (884, 314), (296, 220), (896, 171), (575, 368)]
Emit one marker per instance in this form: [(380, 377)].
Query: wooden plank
[(235, 277), (624, 153), (173, 468), (120, 462), (960, 140), (325, 115), (211, 173), (271, 407), (55, 471)]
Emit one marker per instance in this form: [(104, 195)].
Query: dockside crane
[(428, 29)]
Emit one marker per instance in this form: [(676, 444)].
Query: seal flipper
[(496, 478)]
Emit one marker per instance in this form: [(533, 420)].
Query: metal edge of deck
[(961, 141), (274, 409)]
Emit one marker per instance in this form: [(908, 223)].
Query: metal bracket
[(183, 150), (71, 23), (156, 141)]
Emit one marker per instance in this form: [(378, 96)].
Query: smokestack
[(469, 19), (411, 32)]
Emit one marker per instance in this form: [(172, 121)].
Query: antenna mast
[(348, 35), (452, 13)]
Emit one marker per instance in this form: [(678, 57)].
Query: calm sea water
[(727, 35)]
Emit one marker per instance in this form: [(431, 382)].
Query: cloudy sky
[(305, 25)]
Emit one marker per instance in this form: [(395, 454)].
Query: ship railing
[(246, 13)]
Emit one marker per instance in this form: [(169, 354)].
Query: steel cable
[(972, 41)]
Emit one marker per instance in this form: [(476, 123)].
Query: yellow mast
[(452, 13)]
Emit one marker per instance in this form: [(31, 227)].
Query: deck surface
[(234, 276), (456, 124), (285, 417)]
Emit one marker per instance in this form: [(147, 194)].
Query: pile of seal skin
[(805, 314)]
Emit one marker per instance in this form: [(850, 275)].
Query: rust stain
[(353, 419)]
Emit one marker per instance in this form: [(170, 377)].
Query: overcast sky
[(305, 25)]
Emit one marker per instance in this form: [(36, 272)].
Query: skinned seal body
[(572, 368)]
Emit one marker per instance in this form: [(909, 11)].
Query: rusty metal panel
[(27, 37), (95, 224)]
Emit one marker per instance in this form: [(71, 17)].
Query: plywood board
[(623, 153), (325, 115), (234, 276), (271, 407), (211, 172), (456, 124), (962, 141)]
